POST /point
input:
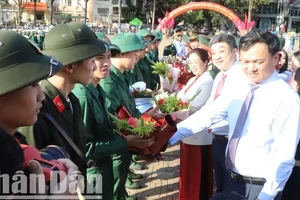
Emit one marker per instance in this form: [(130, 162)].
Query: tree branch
[(78, 2)]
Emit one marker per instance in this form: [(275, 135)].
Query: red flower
[(132, 122), (160, 102)]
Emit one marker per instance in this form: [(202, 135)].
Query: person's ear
[(69, 68)]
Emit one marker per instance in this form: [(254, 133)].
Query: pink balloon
[(159, 20)]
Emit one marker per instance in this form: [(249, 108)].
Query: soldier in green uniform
[(74, 45), (117, 91), (41, 38), (156, 43), (137, 74), (103, 140), (152, 80), (103, 37), (22, 66), (281, 39)]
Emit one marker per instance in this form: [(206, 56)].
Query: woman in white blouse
[(196, 165)]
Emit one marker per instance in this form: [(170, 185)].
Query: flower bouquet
[(170, 104), (168, 75), (135, 126), (184, 72), (146, 127)]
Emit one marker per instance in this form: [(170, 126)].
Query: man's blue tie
[(234, 140)]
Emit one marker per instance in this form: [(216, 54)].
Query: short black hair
[(260, 36), (223, 37), (297, 56), (233, 31)]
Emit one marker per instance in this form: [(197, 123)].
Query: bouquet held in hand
[(135, 126), (170, 104), (168, 75)]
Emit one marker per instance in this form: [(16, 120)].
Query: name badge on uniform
[(59, 104)]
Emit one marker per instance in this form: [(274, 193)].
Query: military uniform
[(152, 80), (68, 116), (69, 43), (103, 140), (117, 91), (116, 87), (18, 58), (137, 73)]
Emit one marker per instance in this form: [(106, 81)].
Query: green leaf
[(161, 68)]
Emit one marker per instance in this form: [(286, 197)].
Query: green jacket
[(137, 73), (152, 80), (154, 55), (103, 139), (281, 41), (44, 133), (116, 87)]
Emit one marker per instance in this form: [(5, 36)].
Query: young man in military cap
[(103, 37), (158, 38), (75, 45), (137, 74), (117, 91), (104, 139), (22, 66), (152, 80)]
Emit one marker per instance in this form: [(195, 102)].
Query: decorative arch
[(203, 6)]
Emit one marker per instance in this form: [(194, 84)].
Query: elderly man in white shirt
[(263, 114)]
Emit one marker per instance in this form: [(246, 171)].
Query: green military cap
[(193, 35), (144, 32), (21, 63), (204, 40), (114, 49), (158, 34), (128, 42), (143, 40), (103, 37), (72, 42)]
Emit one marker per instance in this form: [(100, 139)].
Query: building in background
[(278, 12), (99, 12)]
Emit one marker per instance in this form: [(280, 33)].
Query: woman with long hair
[(282, 67)]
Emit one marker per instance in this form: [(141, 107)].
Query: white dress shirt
[(270, 134), (203, 84), (222, 128)]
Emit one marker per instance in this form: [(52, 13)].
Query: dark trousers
[(250, 191), (290, 191), (222, 176), (121, 164)]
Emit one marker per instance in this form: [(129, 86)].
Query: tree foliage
[(195, 18), (131, 11)]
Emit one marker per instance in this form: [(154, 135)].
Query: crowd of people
[(61, 88)]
